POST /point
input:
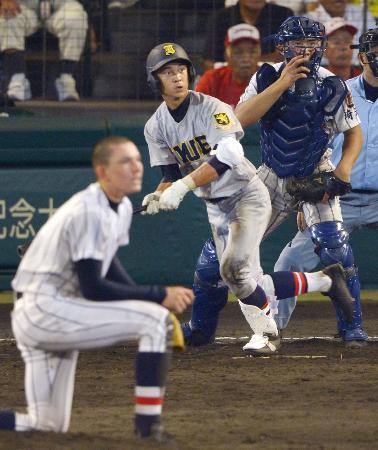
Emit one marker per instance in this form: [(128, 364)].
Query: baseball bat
[(139, 209)]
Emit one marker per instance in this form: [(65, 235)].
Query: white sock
[(318, 281)]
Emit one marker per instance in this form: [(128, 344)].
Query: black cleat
[(158, 438), (339, 291)]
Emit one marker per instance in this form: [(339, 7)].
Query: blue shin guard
[(332, 246), (210, 298)]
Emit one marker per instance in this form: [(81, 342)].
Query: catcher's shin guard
[(332, 246), (210, 298)]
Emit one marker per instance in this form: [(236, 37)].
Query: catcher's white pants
[(283, 204), (69, 23), (50, 331)]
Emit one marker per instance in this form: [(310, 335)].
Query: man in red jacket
[(242, 51)]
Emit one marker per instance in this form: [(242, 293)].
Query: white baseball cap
[(241, 31), (339, 23)]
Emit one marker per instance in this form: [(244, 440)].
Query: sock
[(289, 284), (14, 62), (257, 298), (7, 420), (151, 377), (318, 281), (67, 66)]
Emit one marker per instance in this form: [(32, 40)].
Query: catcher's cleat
[(195, 337), (158, 437), (339, 291), (263, 344)]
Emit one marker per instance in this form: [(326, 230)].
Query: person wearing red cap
[(242, 52), (339, 54)]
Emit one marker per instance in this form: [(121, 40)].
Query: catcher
[(300, 106)]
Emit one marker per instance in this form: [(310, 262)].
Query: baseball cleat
[(339, 291), (158, 437), (263, 344)]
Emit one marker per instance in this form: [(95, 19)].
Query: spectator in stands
[(339, 54), (66, 19), (242, 53), (266, 17), (352, 14), (299, 7)]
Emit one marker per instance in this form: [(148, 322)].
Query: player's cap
[(242, 31), (339, 23)]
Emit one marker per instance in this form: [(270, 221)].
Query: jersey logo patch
[(169, 49), (222, 118)]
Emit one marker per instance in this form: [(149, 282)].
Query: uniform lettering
[(192, 150), (203, 144)]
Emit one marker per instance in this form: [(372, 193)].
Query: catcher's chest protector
[(293, 132)]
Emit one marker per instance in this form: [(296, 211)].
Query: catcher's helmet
[(163, 54), (300, 27), (366, 42)]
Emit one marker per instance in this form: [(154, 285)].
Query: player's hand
[(301, 222), (178, 299), (293, 71), (152, 203), (9, 8), (173, 196)]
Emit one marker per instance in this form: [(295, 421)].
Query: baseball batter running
[(194, 139), (300, 106), (74, 294)]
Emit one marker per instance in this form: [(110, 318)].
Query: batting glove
[(152, 203), (173, 196)]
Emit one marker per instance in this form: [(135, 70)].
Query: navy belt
[(363, 191), (216, 200)]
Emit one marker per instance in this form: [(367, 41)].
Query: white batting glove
[(152, 203), (173, 196)]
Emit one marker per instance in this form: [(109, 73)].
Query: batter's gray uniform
[(52, 322), (237, 203)]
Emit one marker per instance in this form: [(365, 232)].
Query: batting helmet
[(366, 42), (163, 54), (297, 28)]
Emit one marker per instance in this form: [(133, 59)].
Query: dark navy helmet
[(365, 44), (163, 54), (367, 40), (297, 28)]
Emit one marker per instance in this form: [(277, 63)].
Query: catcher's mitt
[(311, 189)]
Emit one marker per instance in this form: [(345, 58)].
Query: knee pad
[(207, 269), (210, 294), (332, 246)]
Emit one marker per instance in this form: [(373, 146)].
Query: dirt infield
[(315, 394)]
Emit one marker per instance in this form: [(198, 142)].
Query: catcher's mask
[(161, 55), (297, 28), (366, 43)]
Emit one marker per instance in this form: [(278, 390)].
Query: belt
[(216, 200), (363, 191)]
